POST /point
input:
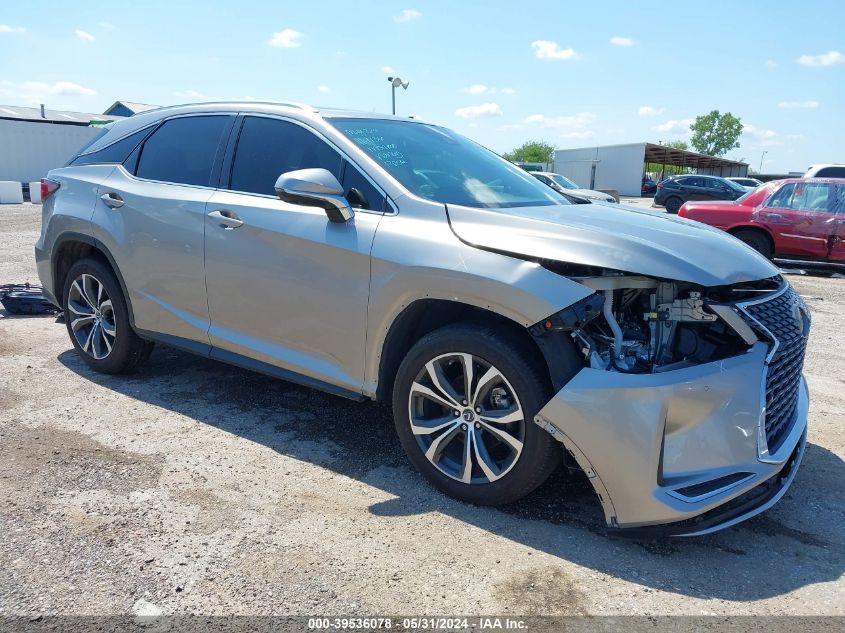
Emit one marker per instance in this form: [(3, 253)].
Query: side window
[(812, 196), (267, 148), (831, 172), (360, 193), (183, 150), (693, 181), (782, 199), (114, 153)]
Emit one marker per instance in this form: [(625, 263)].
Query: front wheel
[(463, 403), (756, 240)]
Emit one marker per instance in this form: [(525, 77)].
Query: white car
[(749, 183), (826, 171), (566, 186)]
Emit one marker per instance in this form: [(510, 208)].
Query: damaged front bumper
[(677, 452)]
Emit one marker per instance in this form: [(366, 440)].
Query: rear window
[(183, 150), (116, 152)]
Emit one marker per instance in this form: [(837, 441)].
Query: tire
[(673, 204), (520, 390), (97, 319), (756, 240)]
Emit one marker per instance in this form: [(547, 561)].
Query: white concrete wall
[(11, 192), (618, 167), (29, 150)]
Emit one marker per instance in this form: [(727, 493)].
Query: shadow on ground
[(761, 558)]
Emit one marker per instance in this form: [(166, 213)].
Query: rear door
[(151, 216), (799, 215), (694, 188), (286, 286), (836, 246)]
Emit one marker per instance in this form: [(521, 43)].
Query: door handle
[(112, 200), (226, 219)]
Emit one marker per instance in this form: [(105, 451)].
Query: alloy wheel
[(91, 316), (466, 418)]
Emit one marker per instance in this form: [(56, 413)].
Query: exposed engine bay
[(635, 324)]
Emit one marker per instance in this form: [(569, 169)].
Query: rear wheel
[(756, 240), (673, 204), (97, 319), (463, 403)]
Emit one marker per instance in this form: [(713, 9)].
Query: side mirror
[(315, 187)]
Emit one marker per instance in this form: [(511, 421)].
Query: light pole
[(765, 151), (395, 82)]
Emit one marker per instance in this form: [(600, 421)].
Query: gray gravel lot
[(194, 487)]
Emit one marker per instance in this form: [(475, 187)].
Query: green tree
[(714, 134), (532, 152)]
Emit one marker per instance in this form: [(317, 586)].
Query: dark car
[(674, 191), (648, 187)]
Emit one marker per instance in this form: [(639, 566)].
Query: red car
[(797, 218)]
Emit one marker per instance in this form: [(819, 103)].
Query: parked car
[(825, 171), (648, 187), (675, 190), (744, 181), (563, 185), (376, 257), (798, 218)]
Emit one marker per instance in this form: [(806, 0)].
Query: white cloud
[(84, 35), (194, 94), (476, 89), (761, 136), (650, 111), (793, 105), (40, 91), (324, 89), (5, 28), (286, 38), (544, 49), (480, 89), (675, 126), (621, 41), (388, 70), (105, 25), (407, 15), (475, 112), (825, 59), (576, 121), (771, 64), (578, 135)]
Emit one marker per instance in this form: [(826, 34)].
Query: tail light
[(48, 188)]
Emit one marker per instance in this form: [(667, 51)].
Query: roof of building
[(133, 106), (663, 155), (51, 116)]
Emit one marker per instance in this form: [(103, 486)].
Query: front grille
[(785, 322)]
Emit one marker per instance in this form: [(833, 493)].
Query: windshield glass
[(440, 165), (564, 182)]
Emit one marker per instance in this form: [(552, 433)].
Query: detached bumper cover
[(666, 448)]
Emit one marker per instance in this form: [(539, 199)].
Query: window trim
[(221, 146), (228, 163)]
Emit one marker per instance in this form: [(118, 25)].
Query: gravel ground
[(194, 487)]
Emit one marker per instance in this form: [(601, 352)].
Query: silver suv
[(385, 258)]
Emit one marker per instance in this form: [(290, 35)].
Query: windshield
[(440, 165), (563, 181)]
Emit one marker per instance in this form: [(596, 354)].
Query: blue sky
[(572, 73)]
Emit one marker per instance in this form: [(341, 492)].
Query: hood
[(589, 193), (610, 236)]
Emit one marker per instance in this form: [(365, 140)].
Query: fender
[(72, 236)]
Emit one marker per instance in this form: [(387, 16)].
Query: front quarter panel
[(416, 256)]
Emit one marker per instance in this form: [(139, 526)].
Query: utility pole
[(395, 82), (765, 151)]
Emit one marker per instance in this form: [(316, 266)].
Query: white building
[(621, 168)]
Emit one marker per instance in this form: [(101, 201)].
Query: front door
[(286, 286)]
